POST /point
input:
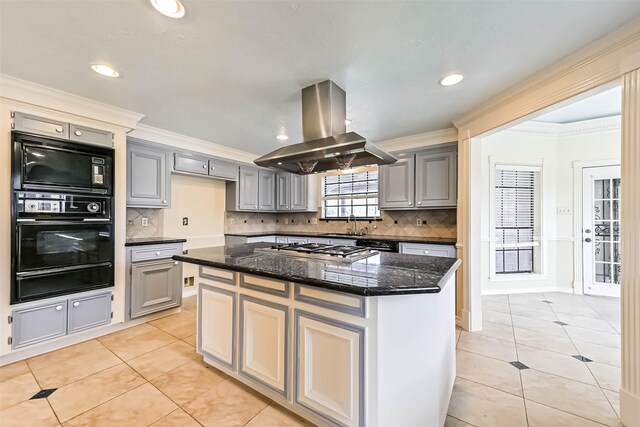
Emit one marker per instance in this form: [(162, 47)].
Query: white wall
[(555, 148)]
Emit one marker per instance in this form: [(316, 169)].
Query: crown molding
[(594, 65), (43, 96), (172, 139), (559, 130), (420, 140)]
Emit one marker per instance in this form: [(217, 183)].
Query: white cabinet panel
[(264, 343), (217, 312), (330, 368)]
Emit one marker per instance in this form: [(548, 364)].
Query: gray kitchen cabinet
[(436, 178), (283, 191), (184, 162), (447, 251), (249, 183), (88, 312), (422, 180), (224, 170), (396, 184), (89, 135), (299, 200), (266, 190), (148, 177), (39, 125), (38, 323), (155, 286)]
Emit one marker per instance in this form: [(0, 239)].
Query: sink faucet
[(353, 230)]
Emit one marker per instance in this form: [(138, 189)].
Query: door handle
[(588, 240), (587, 231)]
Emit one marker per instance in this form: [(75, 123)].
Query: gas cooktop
[(340, 253)]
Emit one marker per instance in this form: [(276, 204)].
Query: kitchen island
[(363, 343)]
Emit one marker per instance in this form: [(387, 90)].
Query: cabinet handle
[(213, 167), (78, 133), (158, 253), (204, 166), (164, 202), (59, 130), (77, 303), (409, 203), (419, 203), (175, 263), (426, 252), (58, 307)]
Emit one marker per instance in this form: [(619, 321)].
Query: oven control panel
[(41, 206)]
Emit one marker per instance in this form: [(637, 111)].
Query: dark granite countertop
[(382, 274), (140, 241), (407, 239)]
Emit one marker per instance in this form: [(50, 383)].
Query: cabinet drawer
[(155, 252), (270, 239), (347, 242), (221, 169), (191, 164), (89, 312), (39, 323), (270, 286), (446, 251), (218, 275), (338, 301), (281, 239), (321, 240), (40, 125), (297, 240), (91, 136)]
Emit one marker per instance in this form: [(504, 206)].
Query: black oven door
[(50, 245)]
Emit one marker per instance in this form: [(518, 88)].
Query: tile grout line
[(515, 344), (566, 412)]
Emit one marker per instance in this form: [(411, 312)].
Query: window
[(350, 193), (517, 213)]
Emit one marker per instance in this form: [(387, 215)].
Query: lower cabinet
[(329, 368), (264, 343), (155, 286), (217, 324), (53, 319), (447, 251)]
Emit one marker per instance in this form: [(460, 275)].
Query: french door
[(601, 230)]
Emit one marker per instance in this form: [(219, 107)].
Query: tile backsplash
[(434, 223), (134, 222)]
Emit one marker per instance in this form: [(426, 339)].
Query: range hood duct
[(327, 146)]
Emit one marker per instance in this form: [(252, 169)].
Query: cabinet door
[(40, 125), (190, 163), (155, 286), (217, 325), (267, 190), (447, 251), (298, 192), (436, 179), (330, 368), (283, 191), (88, 135), (220, 169), (248, 189), (148, 182), (40, 323), (396, 184), (89, 312), (264, 343)]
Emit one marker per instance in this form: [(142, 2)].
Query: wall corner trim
[(44, 96)]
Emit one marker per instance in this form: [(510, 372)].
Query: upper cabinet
[(283, 191), (202, 165), (148, 176), (47, 127), (248, 188), (267, 190), (299, 200), (426, 179)]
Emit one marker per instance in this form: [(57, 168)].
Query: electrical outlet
[(418, 222), (145, 221), (286, 221), (185, 220)]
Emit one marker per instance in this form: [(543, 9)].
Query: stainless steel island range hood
[(327, 146)]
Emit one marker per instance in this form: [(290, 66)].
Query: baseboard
[(77, 338), (527, 290), (629, 409)]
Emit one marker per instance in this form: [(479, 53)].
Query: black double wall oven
[(62, 217)]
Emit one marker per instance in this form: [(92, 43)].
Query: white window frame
[(539, 259), (324, 198)]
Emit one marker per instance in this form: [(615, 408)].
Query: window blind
[(517, 218), (351, 193)]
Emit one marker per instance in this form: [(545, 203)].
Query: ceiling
[(604, 104), (231, 72)]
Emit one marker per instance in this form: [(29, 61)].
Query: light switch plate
[(419, 222)]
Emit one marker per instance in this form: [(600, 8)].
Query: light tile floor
[(150, 375)]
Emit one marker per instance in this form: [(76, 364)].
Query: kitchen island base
[(334, 358)]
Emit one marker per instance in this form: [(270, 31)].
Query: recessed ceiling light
[(347, 122), (451, 79), (170, 8), (282, 137), (105, 70)]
